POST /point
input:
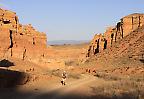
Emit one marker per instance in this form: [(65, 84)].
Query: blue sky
[(72, 19)]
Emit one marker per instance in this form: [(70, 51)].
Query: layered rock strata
[(123, 28), (20, 41)]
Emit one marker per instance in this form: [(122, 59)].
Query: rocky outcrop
[(20, 41), (11, 78), (123, 28)]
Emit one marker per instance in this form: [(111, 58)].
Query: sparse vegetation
[(121, 89), (58, 73), (72, 63)]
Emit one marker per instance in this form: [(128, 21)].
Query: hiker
[(64, 76)]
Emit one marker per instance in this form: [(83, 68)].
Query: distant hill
[(62, 42)]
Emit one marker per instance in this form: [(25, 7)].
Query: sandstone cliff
[(127, 25), (20, 41)]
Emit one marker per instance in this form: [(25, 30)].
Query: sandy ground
[(74, 88), (44, 85)]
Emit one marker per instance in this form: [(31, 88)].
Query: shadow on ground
[(15, 94), (6, 63), (10, 78), (142, 60), (72, 96), (9, 81)]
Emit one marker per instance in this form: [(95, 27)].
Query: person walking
[(64, 76)]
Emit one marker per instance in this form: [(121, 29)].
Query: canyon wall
[(106, 40), (20, 41)]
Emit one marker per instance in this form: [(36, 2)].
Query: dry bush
[(72, 63), (107, 76), (58, 73), (122, 89), (74, 75)]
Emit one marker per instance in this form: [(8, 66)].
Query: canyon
[(110, 66)]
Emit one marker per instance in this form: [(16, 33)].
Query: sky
[(72, 19)]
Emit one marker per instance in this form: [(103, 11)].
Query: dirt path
[(56, 92), (60, 91)]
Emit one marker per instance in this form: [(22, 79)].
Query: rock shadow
[(10, 78), (56, 95), (142, 60), (6, 63), (36, 94)]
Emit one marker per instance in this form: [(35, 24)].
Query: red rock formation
[(123, 28), (20, 41)]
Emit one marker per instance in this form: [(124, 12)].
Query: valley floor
[(90, 80)]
